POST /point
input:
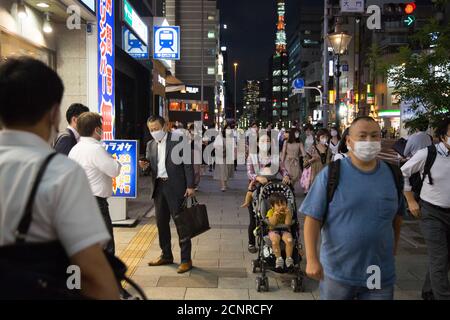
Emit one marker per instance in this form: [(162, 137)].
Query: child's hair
[(277, 198)]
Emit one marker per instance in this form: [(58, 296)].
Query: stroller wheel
[(262, 284), (297, 285), (255, 265)]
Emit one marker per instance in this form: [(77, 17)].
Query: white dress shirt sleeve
[(414, 165), (106, 163), (77, 218)]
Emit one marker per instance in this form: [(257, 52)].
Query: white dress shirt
[(99, 165), (64, 208), (162, 172), (437, 194), (75, 133)]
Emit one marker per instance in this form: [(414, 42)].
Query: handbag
[(39, 271), (192, 220)]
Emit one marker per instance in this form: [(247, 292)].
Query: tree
[(421, 74)]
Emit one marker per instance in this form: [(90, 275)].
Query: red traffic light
[(410, 7)]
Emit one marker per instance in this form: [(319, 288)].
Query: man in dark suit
[(172, 183), (69, 138)]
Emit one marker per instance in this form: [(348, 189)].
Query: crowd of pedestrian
[(354, 202)]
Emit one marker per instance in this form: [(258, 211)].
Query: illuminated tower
[(280, 41), (279, 64)]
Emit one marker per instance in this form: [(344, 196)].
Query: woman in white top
[(342, 151), (334, 141), (309, 140), (224, 169)]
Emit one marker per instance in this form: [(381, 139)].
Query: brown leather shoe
[(160, 262), (184, 267)]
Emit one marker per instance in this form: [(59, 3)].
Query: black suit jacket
[(181, 176), (65, 142)]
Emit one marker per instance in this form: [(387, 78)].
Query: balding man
[(360, 222)]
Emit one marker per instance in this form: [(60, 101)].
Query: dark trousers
[(252, 225), (104, 209), (166, 205), (435, 225)]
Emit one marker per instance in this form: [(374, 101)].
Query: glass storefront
[(13, 46)]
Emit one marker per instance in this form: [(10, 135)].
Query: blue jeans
[(333, 290)]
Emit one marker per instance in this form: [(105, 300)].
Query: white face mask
[(158, 135), (334, 133), (297, 135), (366, 150)]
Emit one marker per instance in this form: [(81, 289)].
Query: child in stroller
[(275, 211), (280, 220)]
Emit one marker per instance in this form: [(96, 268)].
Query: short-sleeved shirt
[(358, 229), (64, 208), (281, 217)]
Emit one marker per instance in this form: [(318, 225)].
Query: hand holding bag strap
[(25, 223)]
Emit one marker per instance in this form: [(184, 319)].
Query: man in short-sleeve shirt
[(358, 229)]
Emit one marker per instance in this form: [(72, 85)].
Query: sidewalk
[(222, 264)]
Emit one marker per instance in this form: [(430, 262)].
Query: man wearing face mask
[(172, 183), (359, 223), (434, 209), (99, 165)]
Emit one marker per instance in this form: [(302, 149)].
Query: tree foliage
[(421, 74)]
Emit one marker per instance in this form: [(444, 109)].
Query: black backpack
[(334, 170), (416, 180)]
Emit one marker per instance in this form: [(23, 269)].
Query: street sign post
[(166, 43)]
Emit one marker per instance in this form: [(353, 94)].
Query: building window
[(211, 35), (211, 70)]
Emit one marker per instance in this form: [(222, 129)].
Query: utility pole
[(235, 92), (325, 64)]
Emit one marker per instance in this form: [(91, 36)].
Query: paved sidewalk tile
[(216, 294)]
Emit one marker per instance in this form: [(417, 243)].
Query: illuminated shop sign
[(135, 22), (105, 18)]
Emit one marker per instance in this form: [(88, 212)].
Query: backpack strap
[(25, 222), (398, 178), (431, 158), (334, 170)]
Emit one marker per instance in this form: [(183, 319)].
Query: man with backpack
[(357, 205), (433, 207)]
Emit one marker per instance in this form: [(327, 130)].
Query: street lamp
[(339, 41), (235, 106)]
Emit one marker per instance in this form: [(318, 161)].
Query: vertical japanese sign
[(105, 18), (125, 185)]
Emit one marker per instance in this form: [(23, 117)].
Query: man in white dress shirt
[(64, 208), (434, 209), (99, 165)]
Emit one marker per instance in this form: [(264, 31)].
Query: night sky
[(250, 37)]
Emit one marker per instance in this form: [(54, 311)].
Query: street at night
[(208, 152)]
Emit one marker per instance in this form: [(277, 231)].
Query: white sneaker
[(279, 264), (289, 262)]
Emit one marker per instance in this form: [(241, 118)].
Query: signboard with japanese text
[(126, 151), (166, 43), (106, 66), (135, 22), (133, 46), (352, 6)]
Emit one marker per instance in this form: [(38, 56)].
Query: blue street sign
[(298, 83), (133, 46), (166, 42), (126, 151)]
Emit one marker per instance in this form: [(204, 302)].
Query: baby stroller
[(266, 258)]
